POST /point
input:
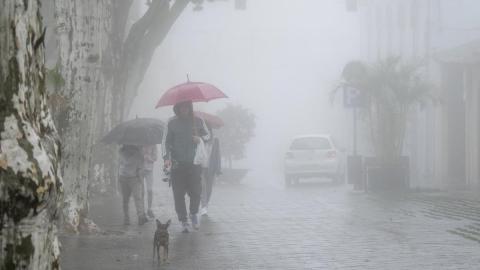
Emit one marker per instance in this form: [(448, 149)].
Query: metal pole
[(356, 171), (355, 131)]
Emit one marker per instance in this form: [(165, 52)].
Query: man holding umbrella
[(183, 135)]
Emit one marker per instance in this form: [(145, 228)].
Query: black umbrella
[(139, 131)]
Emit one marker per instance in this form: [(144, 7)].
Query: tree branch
[(144, 37)]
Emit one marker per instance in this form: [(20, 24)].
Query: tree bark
[(104, 157), (30, 181), (82, 31)]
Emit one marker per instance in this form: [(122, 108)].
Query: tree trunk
[(144, 37), (104, 157), (30, 181), (82, 31)]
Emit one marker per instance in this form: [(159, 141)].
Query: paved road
[(261, 225)]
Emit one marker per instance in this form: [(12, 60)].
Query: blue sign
[(353, 97)]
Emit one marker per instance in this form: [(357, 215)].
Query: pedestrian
[(184, 134), (131, 181), (210, 172), (150, 156)]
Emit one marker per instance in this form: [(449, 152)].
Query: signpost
[(354, 99)]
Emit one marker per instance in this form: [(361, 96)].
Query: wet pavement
[(316, 225)]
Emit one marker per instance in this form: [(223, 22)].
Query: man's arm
[(167, 142)]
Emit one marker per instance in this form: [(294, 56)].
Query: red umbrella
[(212, 120), (190, 91)]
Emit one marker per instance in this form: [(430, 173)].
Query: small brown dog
[(161, 239)]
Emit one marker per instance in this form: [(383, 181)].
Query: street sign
[(352, 97)]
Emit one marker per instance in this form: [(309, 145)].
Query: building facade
[(443, 36)]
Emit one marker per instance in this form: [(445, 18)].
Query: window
[(311, 143)]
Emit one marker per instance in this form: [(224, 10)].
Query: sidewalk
[(310, 226)]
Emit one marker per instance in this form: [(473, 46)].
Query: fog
[(278, 58), (395, 186)]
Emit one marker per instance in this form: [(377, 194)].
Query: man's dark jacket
[(178, 144)]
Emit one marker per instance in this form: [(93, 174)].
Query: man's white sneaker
[(203, 211), (185, 227)]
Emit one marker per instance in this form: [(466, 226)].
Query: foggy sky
[(279, 58)]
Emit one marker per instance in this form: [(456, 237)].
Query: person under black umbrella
[(133, 135)]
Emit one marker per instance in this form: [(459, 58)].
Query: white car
[(314, 156)]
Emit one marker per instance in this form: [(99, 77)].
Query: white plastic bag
[(201, 157)]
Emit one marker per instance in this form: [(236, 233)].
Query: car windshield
[(311, 143)]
